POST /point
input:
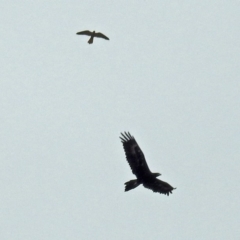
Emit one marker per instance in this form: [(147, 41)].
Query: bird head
[(157, 174)]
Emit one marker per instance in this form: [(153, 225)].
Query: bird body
[(92, 35), (138, 164)]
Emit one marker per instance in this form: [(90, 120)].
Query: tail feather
[(131, 184), (90, 41)]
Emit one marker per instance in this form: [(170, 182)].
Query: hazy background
[(169, 75)]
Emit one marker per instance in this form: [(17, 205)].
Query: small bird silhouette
[(92, 34)]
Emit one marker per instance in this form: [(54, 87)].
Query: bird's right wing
[(159, 186), (88, 33), (100, 35), (134, 155)]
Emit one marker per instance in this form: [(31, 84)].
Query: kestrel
[(92, 34)]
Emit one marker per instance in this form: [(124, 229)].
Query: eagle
[(92, 35), (138, 164)]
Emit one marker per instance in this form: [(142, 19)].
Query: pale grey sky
[(169, 75)]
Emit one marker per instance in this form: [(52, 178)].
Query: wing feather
[(88, 33), (159, 186), (134, 155), (100, 35)]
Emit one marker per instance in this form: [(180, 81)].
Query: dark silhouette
[(92, 34), (138, 164)]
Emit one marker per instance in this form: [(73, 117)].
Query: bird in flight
[(138, 164), (92, 35)]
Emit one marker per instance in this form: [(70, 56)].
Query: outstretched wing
[(88, 33), (159, 186), (100, 35), (134, 155)]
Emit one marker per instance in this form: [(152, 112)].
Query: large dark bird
[(92, 35), (138, 164)]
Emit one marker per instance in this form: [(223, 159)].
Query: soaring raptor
[(92, 35), (138, 164)]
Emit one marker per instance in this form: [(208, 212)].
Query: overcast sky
[(169, 75)]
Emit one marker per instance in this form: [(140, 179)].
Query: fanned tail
[(131, 184)]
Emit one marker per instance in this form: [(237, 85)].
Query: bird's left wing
[(88, 33), (134, 155), (159, 186), (100, 35)]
